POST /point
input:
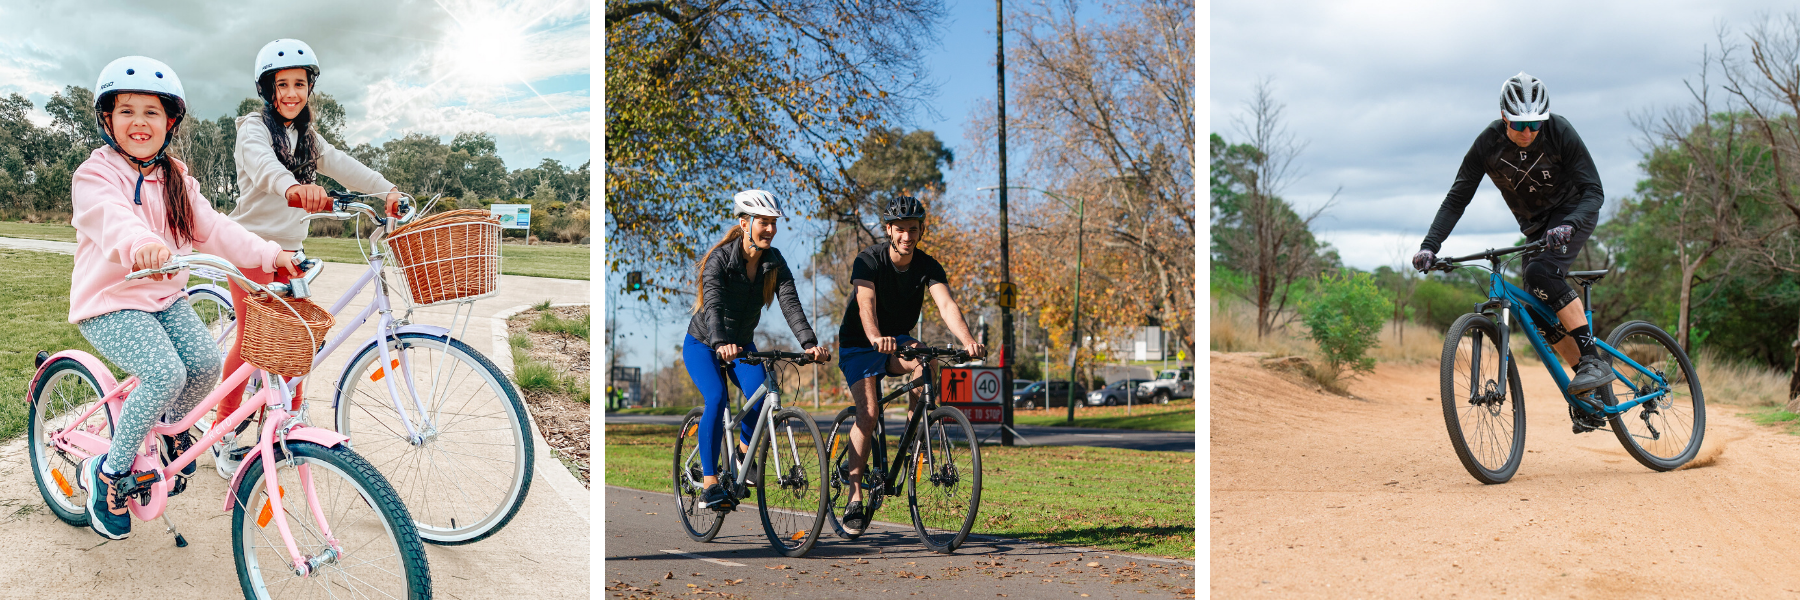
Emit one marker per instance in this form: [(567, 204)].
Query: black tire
[(66, 390), (1664, 433), (943, 480), (1029, 404), (791, 492), (700, 524), (1162, 396), (471, 475), (214, 309), (383, 556), (838, 494), (1486, 429)]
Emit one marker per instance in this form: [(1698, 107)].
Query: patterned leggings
[(172, 356)]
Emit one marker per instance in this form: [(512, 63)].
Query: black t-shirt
[(1552, 179), (898, 294)]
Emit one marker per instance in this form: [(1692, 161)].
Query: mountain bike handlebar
[(1449, 264), (929, 352), (757, 358)]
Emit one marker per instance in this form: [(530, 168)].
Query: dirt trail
[(1317, 495)]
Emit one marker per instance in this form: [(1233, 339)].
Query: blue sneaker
[(111, 523), (173, 446)]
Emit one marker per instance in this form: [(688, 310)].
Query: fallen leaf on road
[(669, 575), (1093, 564), (777, 567)]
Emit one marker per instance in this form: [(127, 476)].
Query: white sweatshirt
[(263, 181)]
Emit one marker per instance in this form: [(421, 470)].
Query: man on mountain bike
[(1549, 181), (891, 279)]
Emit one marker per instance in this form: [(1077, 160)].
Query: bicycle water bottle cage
[(134, 485)]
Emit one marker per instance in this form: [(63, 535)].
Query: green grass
[(560, 261), (657, 410), (549, 322), (34, 287), (1177, 415), (55, 232), (1069, 495), (1778, 416)]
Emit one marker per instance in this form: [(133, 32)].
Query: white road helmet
[(284, 54), (138, 75), (756, 202), (1524, 98)]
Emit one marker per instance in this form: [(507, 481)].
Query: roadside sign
[(1009, 295), (974, 390), (512, 216)]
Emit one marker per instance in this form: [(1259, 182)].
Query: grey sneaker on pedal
[(856, 518), (717, 498), (222, 459), (1590, 373), (110, 522)]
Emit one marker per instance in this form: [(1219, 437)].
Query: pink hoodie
[(109, 228)]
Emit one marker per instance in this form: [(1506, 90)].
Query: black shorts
[(1546, 273)]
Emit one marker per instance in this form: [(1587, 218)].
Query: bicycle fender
[(300, 433), (93, 364), (430, 330)]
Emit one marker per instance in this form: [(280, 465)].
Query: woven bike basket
[(278, 342), (449, 256)]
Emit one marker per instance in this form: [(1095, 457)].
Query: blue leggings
[(709, 374)]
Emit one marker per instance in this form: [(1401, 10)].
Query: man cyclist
[(1549, 181), (891, 279)]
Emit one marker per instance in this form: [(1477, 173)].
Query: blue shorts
[(862, 363)]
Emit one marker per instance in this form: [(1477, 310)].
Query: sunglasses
[(1526, 125)]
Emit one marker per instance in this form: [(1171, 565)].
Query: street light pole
[(1006, 322), (1075, 326)]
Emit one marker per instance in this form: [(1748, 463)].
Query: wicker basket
[(278, 342), (449, 256)]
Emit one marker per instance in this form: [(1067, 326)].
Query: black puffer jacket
[(734, 302)]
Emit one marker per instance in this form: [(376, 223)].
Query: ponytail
[(731, 235)]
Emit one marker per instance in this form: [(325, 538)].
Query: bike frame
[(890, 478), (1503, 296)]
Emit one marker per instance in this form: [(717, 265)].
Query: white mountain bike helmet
[(138, 75), (756, 202), (1524, 98), (280, 55)]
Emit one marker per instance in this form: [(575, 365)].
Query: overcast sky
[(517, 69), (1389, 96)]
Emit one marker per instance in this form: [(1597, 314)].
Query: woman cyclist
[(135, 206), (279, 158), (738, 277)]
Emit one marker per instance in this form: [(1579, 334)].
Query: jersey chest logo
[(1530, 175)]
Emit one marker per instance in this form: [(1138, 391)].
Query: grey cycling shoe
[(1592, 372)]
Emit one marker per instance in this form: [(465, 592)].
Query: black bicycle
[(787, 463), (938, 456)]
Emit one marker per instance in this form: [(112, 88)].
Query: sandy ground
[(1317, 495)]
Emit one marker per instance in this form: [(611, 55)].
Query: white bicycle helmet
[(756, 202), (137, 75), (1524, 98), (284, 54)]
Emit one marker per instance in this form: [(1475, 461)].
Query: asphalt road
[(647, 555), (1130, 439)]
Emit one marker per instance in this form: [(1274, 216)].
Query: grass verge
[(35, 291), (1177, 415), (55, 232), (1069, 495), (657, 410)]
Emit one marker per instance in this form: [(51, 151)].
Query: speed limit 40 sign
[(977, 391)]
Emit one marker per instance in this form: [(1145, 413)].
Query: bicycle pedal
[(177, 485), (134, 485)]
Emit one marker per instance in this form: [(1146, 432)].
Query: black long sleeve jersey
[(1552, 179)]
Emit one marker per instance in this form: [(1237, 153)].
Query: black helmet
[(901, 208)]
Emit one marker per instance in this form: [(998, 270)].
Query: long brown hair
[(178, 214), (303, 159), (735, 234)]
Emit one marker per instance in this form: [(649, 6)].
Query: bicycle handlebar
[(757, 358), (309, 267), (344, 207), (1448, 264), (929, 352)]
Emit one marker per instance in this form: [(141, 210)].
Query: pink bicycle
[(343, 534)]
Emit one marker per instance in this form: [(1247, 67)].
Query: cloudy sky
[(517, 69), (1389, 96)]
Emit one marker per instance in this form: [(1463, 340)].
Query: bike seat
[(1589, 276)]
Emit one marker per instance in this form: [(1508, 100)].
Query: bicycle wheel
[(700, 524), (1663, 433), (790, 490), (65, 391), (943, 481), (372, 549), (1487, 431), (837, 493), (467, 473), (216, 312)]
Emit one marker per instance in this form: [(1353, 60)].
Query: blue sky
[(518, 69), (1389, 96)]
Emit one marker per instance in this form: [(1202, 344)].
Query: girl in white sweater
[(279, 158)]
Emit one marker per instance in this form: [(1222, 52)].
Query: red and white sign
[(974, 390)]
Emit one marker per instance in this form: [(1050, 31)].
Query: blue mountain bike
[(1654, 407)]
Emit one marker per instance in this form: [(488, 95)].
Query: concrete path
[(1037, 435), (648, 555), (543, 553)]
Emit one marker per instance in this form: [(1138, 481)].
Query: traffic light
[(634, 281)]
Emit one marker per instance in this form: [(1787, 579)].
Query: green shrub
[(1344, 318), (548, 322), (533, 375)]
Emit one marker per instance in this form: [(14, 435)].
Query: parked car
[(1118, 393), (1019, 385), (1046, 393), (1169, 384)]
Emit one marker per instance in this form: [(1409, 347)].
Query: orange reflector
[(692, 430), (380, 373), (268, 511), (799, 534), (62, 483)]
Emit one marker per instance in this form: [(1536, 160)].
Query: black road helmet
[(902, 208)]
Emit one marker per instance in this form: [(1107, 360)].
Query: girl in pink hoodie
[(135, 206)]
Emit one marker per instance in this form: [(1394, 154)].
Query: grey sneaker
[(1590, 373), (222, 460)]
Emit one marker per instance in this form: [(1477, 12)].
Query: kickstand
[(180, 542)]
